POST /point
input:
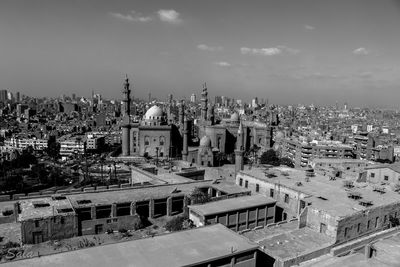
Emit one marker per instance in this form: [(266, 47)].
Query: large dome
[(205, 141), (153, 113), (235, 117)]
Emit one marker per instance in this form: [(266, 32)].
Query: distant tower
[(239, 152), (126, 127), (204, 102), (211, 115), (185, 139), (181, 112), (193, 98), (127, 98)]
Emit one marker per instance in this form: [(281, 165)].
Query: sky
[(310, 52)]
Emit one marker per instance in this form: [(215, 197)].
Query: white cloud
[(361, 51), (309, 27), (133, 16), (272, 51), (170, 16), (222, 64), (205, 47)]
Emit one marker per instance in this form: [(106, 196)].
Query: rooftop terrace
[(44, 207)]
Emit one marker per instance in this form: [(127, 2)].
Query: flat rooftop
[(146, 193), (43, 208), (285, 241), (387, 256), (323, 192), (175, 249), (232, 204)]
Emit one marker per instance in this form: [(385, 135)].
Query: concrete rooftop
[(285, 241), (330, 190), (230, 204), (175, 249), (29, 211)]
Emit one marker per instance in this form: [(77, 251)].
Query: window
[(376, 222), (271, 192), (386, 178), (162, 140), (62, 220), (346, 232), (368, 225), (37, 223), (385, 219), (372, 175), (257, 188), (240, 182), (246, 184), (358, 227), (146, 141), (286, 198)]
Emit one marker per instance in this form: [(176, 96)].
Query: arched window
[(146, 141), (162, 140)]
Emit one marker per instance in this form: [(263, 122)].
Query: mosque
[(154, 136)]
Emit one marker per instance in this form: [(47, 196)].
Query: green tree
[(175, 224), (53, 149), (199, 197), (269, 157), (286, 161)]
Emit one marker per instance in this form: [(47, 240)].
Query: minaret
[(127, 98), (185, 139), (126, 127), (239, 151), (204, 102)]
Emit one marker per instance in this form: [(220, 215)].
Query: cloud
[(309, 27), (209, 48), (170, 16), (272, 51), (361, 51), (133, 16), (222, 64)]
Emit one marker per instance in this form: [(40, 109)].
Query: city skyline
[(289, 52)]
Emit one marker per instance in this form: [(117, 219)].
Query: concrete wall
[(291, 207), (238, 220), (380, 173), (57, 227), (317, 217), (356, 226), (113, 223)]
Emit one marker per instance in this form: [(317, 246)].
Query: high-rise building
[(3, 95), (193, 98)]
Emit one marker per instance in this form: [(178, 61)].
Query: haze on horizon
[(290, 52)]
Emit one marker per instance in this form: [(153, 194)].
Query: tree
[(53, 149), (286, 161), (269, 157), (199, 197), (175, 224)]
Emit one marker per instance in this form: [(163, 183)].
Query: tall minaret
[(185, 139), (127, 98), (126, 127), (239, 151), (204, 103)]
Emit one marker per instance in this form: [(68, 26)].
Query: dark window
[(162, 140), (346, 232), (368, 224), (386, 178), (372, 175), (246, 184), (240, 182), (146, 141), (62, 220), (358, 227), (271, 192), (37, 223), (286, 198), (257, 188), (376, 222), (385, 219)]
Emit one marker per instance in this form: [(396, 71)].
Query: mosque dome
[(153, 113), (205, 141), (235, 117)]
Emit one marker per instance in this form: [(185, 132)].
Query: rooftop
[(176, 249), (285, 241), (147, 192), (44, 207), (323, 192), (232, 204)]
